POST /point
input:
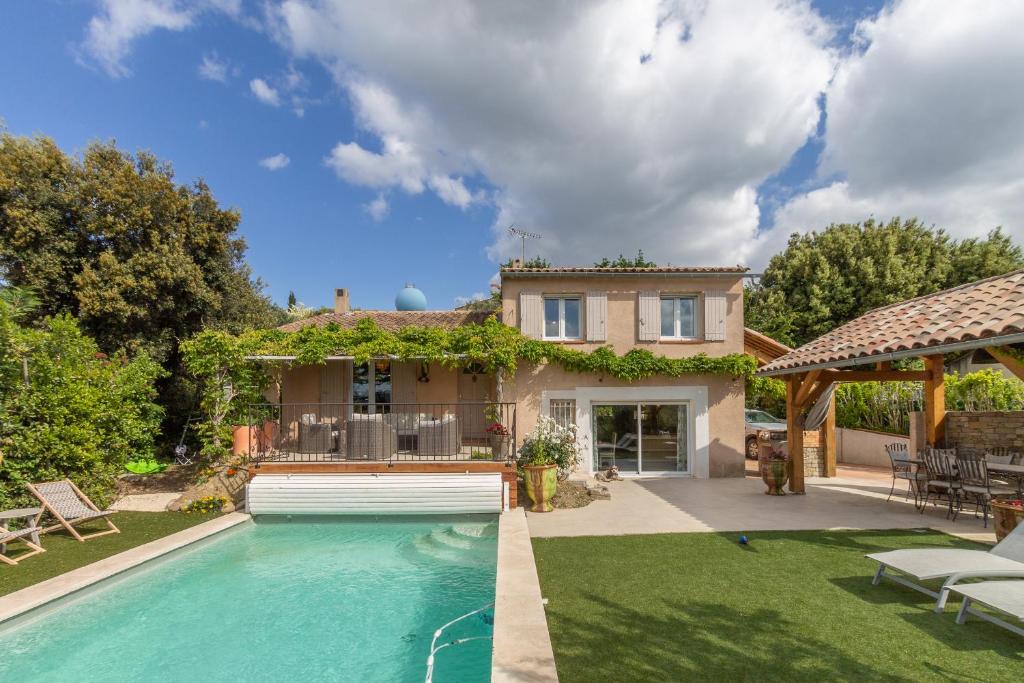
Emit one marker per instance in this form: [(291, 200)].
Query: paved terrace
[(855, 499)]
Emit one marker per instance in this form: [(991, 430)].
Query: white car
[(759, 421)]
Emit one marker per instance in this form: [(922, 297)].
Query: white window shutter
[(714, 316), (531, 314), (597, 316), (649, 316)]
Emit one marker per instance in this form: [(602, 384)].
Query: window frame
[(677, 319), (561, 299)]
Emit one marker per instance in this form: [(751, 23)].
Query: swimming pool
[(315, 599)]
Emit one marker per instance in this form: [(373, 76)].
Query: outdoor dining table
[(1014, 472)]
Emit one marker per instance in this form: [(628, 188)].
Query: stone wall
[(814, 461), (973, 433)]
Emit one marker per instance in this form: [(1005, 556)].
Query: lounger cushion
[(1006, 596), (935, 563)]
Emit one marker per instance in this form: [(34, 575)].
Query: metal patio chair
[(941, 476), (903, 469)]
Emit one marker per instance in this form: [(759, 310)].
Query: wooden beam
[(883, 365), (794, 435), (934, 400), (1003, 355), (876, 375), (805, 388), (829, 439)]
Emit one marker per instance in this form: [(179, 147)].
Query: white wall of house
[(698, 430)]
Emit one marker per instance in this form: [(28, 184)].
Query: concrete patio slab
[(855, 500)]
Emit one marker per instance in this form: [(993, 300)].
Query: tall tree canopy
[(111, 239), (825, 279)]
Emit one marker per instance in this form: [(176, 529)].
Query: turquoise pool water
[(342, 599)]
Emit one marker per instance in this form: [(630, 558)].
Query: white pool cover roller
[(374, 494)]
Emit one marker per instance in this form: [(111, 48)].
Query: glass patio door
[(641, 437)]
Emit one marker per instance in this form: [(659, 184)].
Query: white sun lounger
[(1006, 559), (1004, 596)]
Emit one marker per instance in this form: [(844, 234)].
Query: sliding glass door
[(641, 437)]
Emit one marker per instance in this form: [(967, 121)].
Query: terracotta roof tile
[(393, 320), (981, 310), (697, 270)]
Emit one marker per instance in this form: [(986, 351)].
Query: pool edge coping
[(522, 643), (31, 597)]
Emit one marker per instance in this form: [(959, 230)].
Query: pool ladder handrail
[(435, 648)]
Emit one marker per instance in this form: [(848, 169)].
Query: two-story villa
[(690, 425), (410, 416)]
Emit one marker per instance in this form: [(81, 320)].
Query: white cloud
[(475, 296), (276, 162), (378, 208), (264, 92), (576, 136), (925, 121), (213, 68), (110, 34)]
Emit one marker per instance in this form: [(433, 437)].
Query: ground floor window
[(563, 411), (371, 384), (641, 437)]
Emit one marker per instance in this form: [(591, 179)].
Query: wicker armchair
[(439, 437), (370, 437)]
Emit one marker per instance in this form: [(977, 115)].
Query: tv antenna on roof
[(523, 235)]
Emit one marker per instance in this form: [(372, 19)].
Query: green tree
[(622, 262), (825, 279), (111, 239), (81, 414), (292, 301)]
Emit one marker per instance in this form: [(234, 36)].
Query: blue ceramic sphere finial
[(410, 299)]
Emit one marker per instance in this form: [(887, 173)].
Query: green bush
[(81, 414), (886, 406), (206, 505)]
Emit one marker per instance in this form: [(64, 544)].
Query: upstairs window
[(561, 317), (677, 317)]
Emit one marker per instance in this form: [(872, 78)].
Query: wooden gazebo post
[(794, 434), (934, 399)]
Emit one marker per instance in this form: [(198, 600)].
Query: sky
[(367, 145)]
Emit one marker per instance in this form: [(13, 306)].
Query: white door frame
[(698, 431)]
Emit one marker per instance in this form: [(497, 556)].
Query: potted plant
[(549, 453), (1007, 514), (774, 465), (501, 441)]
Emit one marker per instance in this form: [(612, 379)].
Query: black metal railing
[(342, 432)]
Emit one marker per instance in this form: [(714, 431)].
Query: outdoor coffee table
[(28, 514)]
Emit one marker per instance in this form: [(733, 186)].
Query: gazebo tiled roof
[(979, 314)]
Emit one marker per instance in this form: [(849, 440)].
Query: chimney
[(341, 300)]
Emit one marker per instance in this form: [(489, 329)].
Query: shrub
[(81, 415), (206, 505), (551, 444)]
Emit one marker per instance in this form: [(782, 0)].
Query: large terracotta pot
[(541, 484), (501, 446), (1006, 517), (247, 440), (775, 474)]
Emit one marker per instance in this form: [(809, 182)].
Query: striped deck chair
[(69, 506), (8, 536)]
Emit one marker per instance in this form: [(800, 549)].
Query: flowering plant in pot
[(1007, 514), (548, 453), (501, 441), (774, 465)]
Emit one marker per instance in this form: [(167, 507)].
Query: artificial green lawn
[(789, 606), (63, 553)]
